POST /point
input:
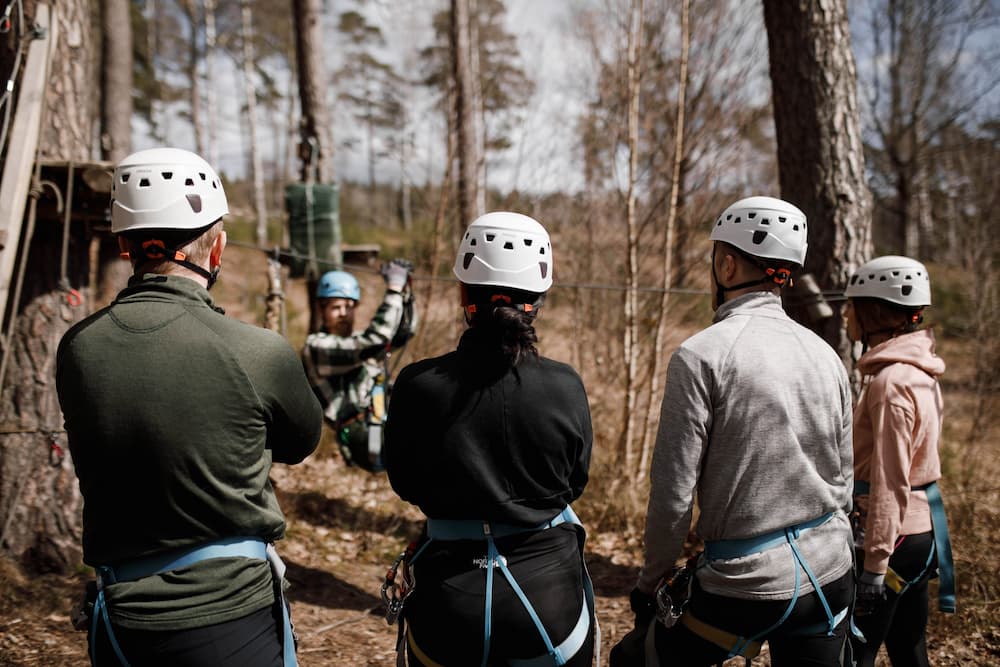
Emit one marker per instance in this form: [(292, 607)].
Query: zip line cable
[(366, 269), (828, 295)]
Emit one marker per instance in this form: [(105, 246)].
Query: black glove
[(643, 606), (871, 593), (396, 274)]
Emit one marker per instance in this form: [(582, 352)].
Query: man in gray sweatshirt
[(756, 422)]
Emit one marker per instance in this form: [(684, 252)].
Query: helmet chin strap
[(500, 301), (779, 277), (155, 249)]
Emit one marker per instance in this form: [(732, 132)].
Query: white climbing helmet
[(764, 227), (165, 188), (896, 279), (506, 250)]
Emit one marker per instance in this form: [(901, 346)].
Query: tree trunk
[(676, 186), (116, 90), (211, 105), (465, 116), (631, 305), (820, 158), (316, 149), (40, 503), (256, 162)]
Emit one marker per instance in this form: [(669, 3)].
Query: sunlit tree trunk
[(631, 306), (256, 163), (659, 351)]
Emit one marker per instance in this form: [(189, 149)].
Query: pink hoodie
[(897, 425)]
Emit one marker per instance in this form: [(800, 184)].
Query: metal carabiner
[(393, 594)]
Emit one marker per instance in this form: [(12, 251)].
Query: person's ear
[(215, 254), (123, 247), (727, 266)]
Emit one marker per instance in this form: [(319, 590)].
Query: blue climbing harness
[(941, 546), (146, 567), (726, 549), (450, 530)]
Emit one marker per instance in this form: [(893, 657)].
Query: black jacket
[(470, 438)]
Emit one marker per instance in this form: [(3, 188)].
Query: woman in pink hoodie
[(900, 532)]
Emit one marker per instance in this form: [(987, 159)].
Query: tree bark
[(316, 148), (116, 89), (40, 504), (820, 157), (630, 344), (465, 116), (256, 162)]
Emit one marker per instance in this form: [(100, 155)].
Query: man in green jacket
[(175, 414)]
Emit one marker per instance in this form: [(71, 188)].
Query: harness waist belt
[(942, 541), (468, 529), (236, 547), (719, 549)]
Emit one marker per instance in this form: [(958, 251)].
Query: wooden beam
[(23, 146)]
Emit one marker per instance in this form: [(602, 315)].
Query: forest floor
[(345, 527)]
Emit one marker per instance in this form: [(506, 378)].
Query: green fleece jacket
[(174, 414)]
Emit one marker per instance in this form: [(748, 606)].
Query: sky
[(543, 157)]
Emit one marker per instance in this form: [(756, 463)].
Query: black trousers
[(901, 621), (252, 641), (789, 645), (446, 612)]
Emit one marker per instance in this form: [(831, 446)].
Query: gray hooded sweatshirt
[(756, 420)]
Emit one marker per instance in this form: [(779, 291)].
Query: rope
[(366, 269)]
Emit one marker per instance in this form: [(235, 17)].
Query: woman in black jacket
[(492, 442)]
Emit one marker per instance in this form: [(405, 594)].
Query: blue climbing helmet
[(338, 285)]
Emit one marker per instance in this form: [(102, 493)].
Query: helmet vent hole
[(508, 245), (882, 279), (751, 215), (765, 221), (737, 220), (472, 242), (906, 289), (895, 274), (719, 223), (202, 176), (125, 178), (195, 202), (189, 181), (144, 183), (795, 228), (782, 218), (728, 217), (490, 237), (467, 260), (544, 268), (527, 243), (758, 237), (167, 175), (541, 251), (854, 280)]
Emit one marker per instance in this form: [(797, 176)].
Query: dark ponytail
[(504, 320)]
